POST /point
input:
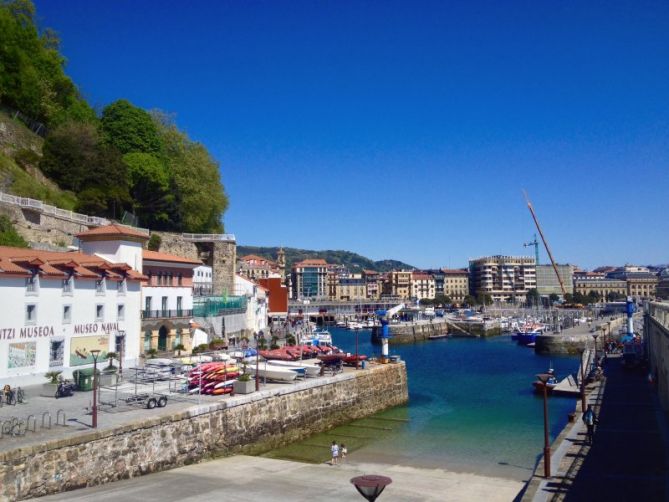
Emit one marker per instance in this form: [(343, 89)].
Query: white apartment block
[(504, 278)]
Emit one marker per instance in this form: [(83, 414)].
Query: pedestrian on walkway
[(590, 419), (343, 452), (335, 453)]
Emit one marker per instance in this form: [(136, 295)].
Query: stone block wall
[(247, 424), (411, 333), (656, 334), (224, 261), (34, 226)]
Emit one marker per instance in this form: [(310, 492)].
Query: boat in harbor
[(550, 384), (528, 333), (309, 370), (271, 372)]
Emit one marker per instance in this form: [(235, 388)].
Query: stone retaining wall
[(410, 333), (246, 424), (572, 344)]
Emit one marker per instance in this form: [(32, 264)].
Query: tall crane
[(548, 250), (534, 243)]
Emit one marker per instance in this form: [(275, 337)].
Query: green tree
[(31, 69), (533, 297), (8, 234), (200, 197), (130, 129), (553, 297), (150, 187), (470, 300), (75, 157)]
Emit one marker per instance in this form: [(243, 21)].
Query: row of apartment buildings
[(502, 278)]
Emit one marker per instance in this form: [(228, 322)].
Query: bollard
[(46, 414), (34, 422), (58, 413)]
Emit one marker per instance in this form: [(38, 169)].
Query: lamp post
[(95, 354), (371, 486), (357, 359), (582, 368), (594, 336), (261, 334), (543, 378)]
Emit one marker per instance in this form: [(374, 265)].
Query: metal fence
[(218, 305)]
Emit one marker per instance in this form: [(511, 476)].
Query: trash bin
[(83, 379)]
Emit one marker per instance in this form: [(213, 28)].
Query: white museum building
[(57, 307)]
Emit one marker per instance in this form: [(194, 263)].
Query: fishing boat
[(550, 384), (528, 333)]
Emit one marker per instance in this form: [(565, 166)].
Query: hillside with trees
[(353, 261), (125, 161)]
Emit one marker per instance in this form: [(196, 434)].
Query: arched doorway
[(162, 338)]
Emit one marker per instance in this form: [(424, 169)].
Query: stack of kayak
[(213, 378), (295, 352)]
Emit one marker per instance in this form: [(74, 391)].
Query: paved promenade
[(254, 478), (628, 459)]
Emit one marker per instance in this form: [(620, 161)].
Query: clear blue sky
[(407, 129)]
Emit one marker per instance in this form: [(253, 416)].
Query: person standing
[(335, 453), (590, 419), (342, 452)]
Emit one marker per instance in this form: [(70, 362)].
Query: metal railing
[(209, 237), (219, 305), (63, 214), (166, 314)]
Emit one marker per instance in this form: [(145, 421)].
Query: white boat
[(271, 372), (355, 326), (309, 369), (341, 324)]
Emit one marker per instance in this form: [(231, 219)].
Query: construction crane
[(543, 239), (534, 243)]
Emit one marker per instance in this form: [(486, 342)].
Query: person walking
[(590, 419), (335, 453)]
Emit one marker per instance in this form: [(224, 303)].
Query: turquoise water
[(471, 408)]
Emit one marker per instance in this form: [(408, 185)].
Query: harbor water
[(471, 409)]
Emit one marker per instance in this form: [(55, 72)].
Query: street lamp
[(371, 486), (582, 368), (261, 334), (357, 358), (594, 336), (95, 353), (543, 378)]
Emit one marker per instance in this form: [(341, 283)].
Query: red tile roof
[(157, 256), (113, 230), (21, 261)]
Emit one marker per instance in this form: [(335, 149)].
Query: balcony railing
[(166, 314)]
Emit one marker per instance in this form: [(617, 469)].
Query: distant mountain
[(353, 261)]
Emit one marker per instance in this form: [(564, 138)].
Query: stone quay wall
[(656, 334), (242, 424), (573, 343), (411, 333)]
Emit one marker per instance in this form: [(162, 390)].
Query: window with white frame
[(67, 314), (100, 286), (121, 286), (99, 312), (68, 285), (32, 284), (120, 312), (31, 314)]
